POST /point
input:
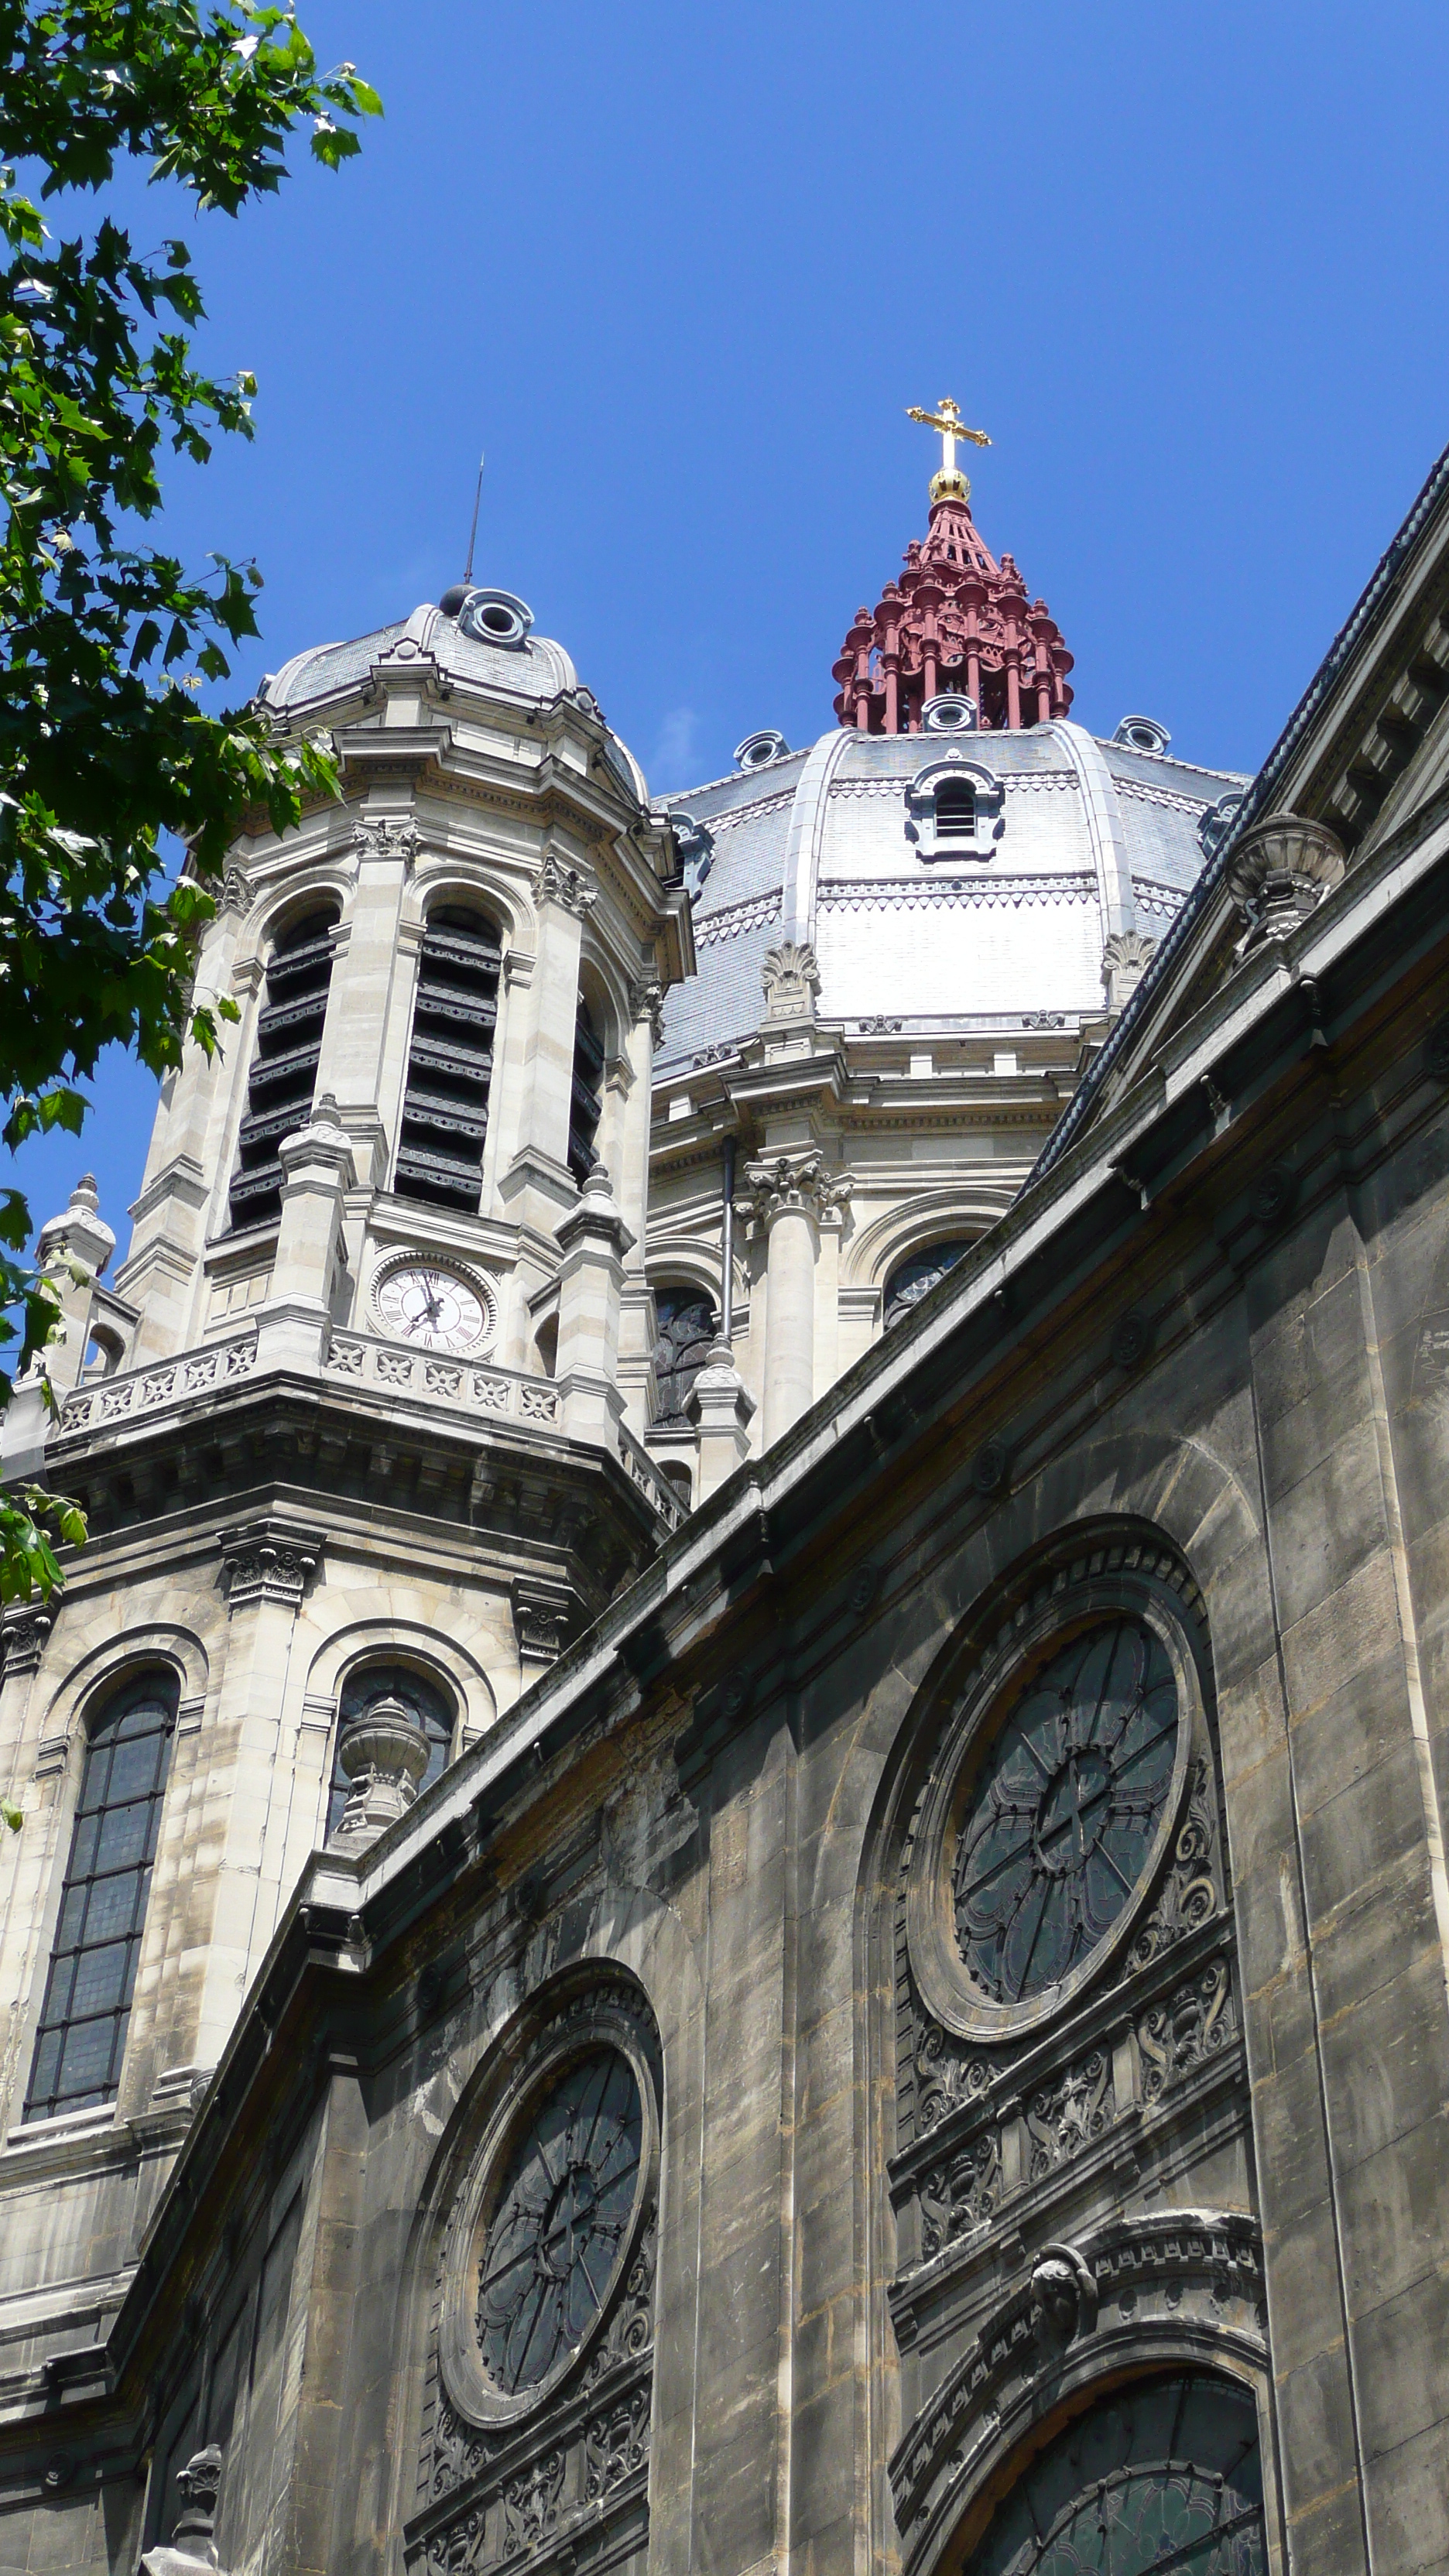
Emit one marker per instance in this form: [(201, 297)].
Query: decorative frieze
[(1066, 2115), (961, 2193), (115, 1399)]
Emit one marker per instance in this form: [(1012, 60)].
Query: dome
[(944, 876), (534, 668)]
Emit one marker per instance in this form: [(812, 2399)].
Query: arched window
[(1165, 2475), (686, 1330), (955, 810), (284, 1070), (428, 1702), (586, 1099), (450, 1061), (912, 1280), (82, 2034)]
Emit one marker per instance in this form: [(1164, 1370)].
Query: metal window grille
[(82, 2034), (429, 1707), (284, 1069), (955, 810), (686, 1332), (586, 1099), (450, 1062)]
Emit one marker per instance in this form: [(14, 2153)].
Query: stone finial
[(791, 977), (193, 2544), (1125, 960), (384, 1753), (80, 1233), (1280, 872)]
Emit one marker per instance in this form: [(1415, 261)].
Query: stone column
[(722, 1409), (593, 1241), (631, 1161), (537, 1182), (790, 1194), (318, 1169)]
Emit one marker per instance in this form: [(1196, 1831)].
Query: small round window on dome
[(495, 617), (914, 1279), (759, 749), (1142, 733), (950, 712)]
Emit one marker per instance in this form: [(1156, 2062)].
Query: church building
[(734, 1837)]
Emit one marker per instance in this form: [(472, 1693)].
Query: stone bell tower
[(347, 1420)]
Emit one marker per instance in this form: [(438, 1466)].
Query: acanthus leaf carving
[(1189, 1894), (1065, 2116), (1176, 2036)]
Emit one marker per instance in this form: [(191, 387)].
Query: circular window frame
[(947, 1986), (469, 2386), (417, 1256)]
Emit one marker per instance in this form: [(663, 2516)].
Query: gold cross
[(947, 419)]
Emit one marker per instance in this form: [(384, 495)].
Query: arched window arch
[(427, 1697), (284, 1069), (915, 1277), (450, 1060), (682, 1345), (586, 1098), (83, 2020), (1164, 2474)]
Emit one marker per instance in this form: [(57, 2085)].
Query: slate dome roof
[(1075, 838)]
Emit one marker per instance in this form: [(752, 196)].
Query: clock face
[(435, 1308), (1065, 1812), (560, 2222)]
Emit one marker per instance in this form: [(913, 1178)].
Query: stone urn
[(384, 1753), (1280, 872)]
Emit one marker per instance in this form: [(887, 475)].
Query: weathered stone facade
[(891, 2078)]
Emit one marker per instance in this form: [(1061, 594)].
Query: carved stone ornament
[(646, 1001), (22, 1640), (557, 882), (1126, 956), (1186, 2278), (192, 2543), (791, 978), (1043, 1835), (1280, 872), (386, 836), (236, 892), (267, 1561), (789, 1184)]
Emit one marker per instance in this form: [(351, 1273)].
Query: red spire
[(958, 621)]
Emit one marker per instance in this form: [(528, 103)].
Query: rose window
[(560, 2221), (1065, 1810)]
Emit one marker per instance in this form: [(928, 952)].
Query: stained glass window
[(1065, 1811), (1164, 2477), (559, 2221), (82, 2034), (686, 1332)]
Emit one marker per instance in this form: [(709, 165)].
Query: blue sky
[(679, 270)]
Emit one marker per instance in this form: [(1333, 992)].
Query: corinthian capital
[(791, 1184), (557, 882)]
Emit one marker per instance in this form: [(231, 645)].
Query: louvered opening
[(955, 810), (450, 1062), (586, 1099), (284, 1068)]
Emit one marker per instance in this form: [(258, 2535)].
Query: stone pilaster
[(319, 1169), (537, 1183), (593, 1242)]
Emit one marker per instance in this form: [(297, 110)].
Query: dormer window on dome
[(954, 809)]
